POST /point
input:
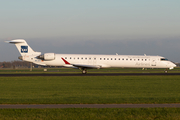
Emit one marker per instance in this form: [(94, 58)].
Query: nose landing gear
[(166, 70)]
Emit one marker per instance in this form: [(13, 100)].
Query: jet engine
[(47, 56)]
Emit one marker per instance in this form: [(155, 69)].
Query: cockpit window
[(164, 59)]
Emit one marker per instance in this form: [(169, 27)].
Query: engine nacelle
[(47, 56)]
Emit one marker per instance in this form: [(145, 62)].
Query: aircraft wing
[(39, 63), (86, 66), (81, 65)]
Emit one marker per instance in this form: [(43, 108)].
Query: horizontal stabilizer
[(16, 41)]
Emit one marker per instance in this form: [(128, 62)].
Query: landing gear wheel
[(166, 71), (84, 71)]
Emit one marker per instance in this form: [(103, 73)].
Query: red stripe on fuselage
[(66, 62)]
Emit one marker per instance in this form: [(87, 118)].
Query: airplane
[(89, 61)]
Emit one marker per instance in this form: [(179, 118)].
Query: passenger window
[(104, 58), (107, 58), (114, 58), (119, 58)]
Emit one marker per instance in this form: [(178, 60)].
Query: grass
[(69, 70), (97, 89), (90, 90), (92, 114)]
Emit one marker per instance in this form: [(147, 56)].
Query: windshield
[(164, 59)]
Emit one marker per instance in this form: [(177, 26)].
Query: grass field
[(69, 70), (91, 114), (86, 90)]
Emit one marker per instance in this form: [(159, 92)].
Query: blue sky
[(78, 23)]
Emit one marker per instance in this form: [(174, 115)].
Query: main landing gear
[(84, 71)]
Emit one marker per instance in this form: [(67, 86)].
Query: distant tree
[(15, 64)]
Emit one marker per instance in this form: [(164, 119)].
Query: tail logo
[(24, 49)]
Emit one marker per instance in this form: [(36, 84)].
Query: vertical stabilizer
[(23, 48)]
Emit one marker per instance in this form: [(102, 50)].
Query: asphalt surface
[(89, 74), (41, 106)]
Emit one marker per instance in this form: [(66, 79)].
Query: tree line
[(15, 64)]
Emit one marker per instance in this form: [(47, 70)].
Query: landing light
[(171, 68)]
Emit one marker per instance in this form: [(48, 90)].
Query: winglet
[(66, 62)]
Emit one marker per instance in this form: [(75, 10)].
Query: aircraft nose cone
[(174, 65)]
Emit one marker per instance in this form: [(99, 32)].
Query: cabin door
[(94, 60), (153, 63)]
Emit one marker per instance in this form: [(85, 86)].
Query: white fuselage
[(105, 61), (89, 61)]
